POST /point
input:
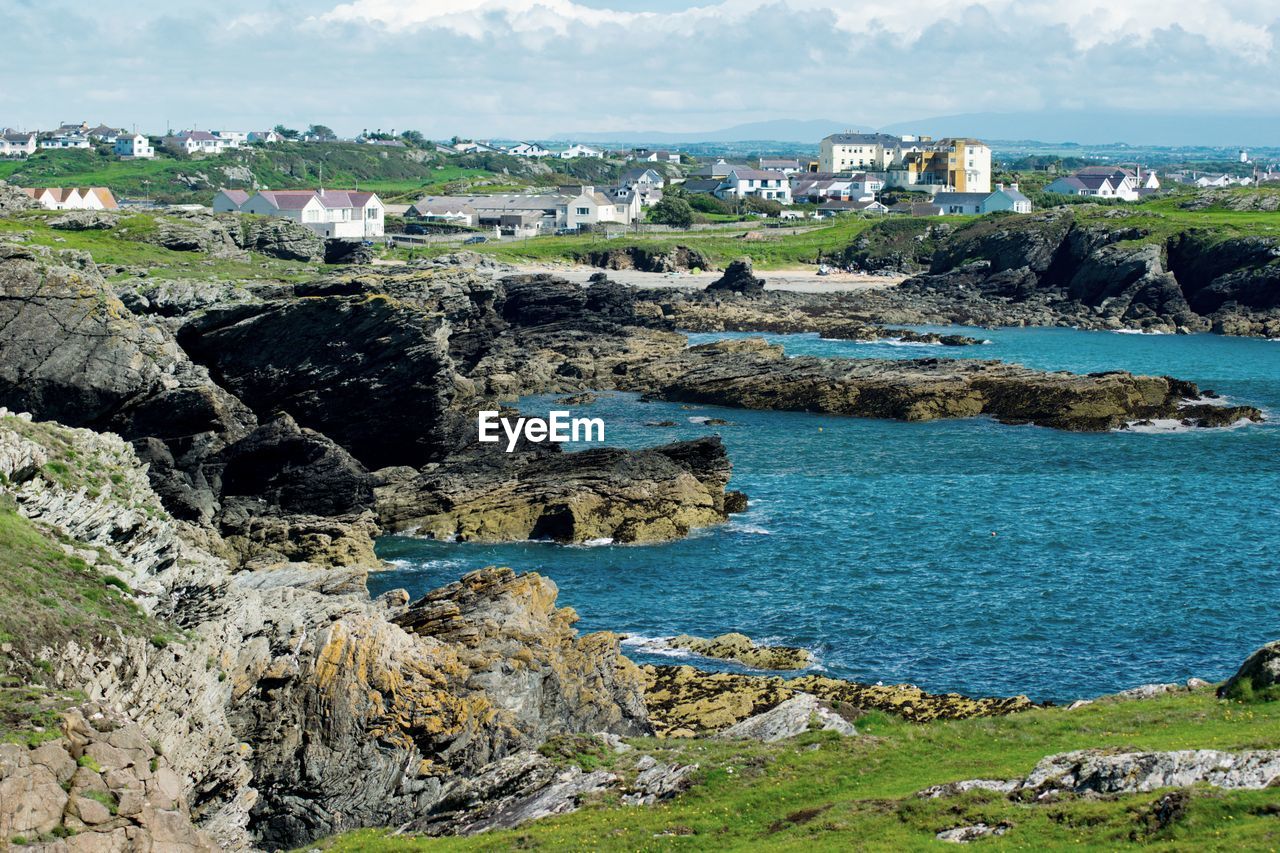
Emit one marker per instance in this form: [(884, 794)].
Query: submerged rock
[(742, 649)]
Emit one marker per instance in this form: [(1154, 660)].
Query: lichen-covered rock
[(742, 649), (1257, 677), (793, 717), (625, 496), (684, 701), (740, 278)]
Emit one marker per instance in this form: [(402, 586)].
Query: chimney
[(1000, 188), (1013, 186)]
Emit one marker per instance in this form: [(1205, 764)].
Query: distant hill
[(780, 130), (1098, 127)]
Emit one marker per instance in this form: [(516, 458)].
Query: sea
[(961, 555)]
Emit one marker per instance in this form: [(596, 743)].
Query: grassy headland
[(821, 792)]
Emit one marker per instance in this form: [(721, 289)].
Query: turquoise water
[(1119, 558)]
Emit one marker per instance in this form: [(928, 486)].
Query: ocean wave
[(1137, 332), (699, 419), (593, 543), (1169, 426), (657, 646), (742, 527)]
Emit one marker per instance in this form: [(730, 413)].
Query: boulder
[(1258, 677), (740, 648), (739, 277), (795, 716)]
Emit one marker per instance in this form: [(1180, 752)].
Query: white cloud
[(472, 17)]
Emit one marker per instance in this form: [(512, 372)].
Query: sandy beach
[(798, 280)]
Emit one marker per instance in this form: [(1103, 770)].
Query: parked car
[(471, 241)]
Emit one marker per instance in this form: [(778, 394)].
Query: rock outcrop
[(1109, 772), (739, 278), (1257, 678), (287, 712), (13, 200), (684, 702), (740, 648), (677, 259), (755, 375), (795, 716), (602, 494)]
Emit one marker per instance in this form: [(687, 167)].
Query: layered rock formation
[(753, 374), (685, 702), (740, 648), (287, 712)]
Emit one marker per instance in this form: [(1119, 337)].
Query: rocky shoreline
[(223, 457)]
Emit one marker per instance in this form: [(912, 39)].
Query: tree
[(672, 211), (322, 133), (287, 133), (414, 138)]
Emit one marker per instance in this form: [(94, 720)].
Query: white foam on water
[(740, 527), (699, 419), (656, 646), (1137, 332), (593, 543)]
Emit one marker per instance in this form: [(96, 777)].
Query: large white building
[(13, 144), (337, 214), (199, 142)]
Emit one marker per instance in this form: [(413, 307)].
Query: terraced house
[(753, 183), (336, 214)]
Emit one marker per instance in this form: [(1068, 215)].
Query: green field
[(822, 792)]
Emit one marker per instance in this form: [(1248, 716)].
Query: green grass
[(778, 248), (125, 246), (47, 598), (820, 792)]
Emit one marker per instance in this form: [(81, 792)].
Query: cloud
[(543, 67)]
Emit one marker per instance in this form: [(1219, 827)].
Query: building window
[(584, 211)]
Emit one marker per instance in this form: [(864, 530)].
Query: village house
[(787, 167), (69, 140), (444, 210), (529, 214), (1107, 182), (575, 151), (847, 152), (645, 183), (701, 186), (915, 208), (135, 147), (13, 144), (199, 142), (530, 149), (102, 133), (1006, 198), (744, 183), (72, 198), (267, 137), (336, 214), (476, 148), (236, 137), (835, 207), (719, 170), (644, 155), (960, 203), (948, 165)]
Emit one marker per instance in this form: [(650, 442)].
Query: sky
[(545, 68)]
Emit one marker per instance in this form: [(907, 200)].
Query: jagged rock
[(347, 252), (793, 717), (741, 649), (1148, 691), (965, 834), (532, 788), (752, 374), (739, 277), (281, 238), (657, 781), (1109, 772), (1258, 676), (684, 701), (84, 220), (626, 496), (13, 199), (676, 259)]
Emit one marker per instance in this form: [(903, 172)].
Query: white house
[(102, 133), (1107, 182), (476, 148), (743, 183), (236, 137), (199, 142), (447, 210), (643, 183), (661, 156), (338, 214), (530, 149), (960, 203), (17, 144), (66, 141), (73, 198), (1004, 198), (135, 147), (577, 150), (265, 136)]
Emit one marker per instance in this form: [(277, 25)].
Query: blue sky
[(534, 68)]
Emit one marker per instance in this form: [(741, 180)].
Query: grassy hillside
[(398, 174), (821, 792)]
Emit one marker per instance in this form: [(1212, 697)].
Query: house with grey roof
[(14, 144), (754, 183), (960, 203), (336, 214), (1006, 198)]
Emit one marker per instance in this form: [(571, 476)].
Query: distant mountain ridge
[(1087, 127)]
